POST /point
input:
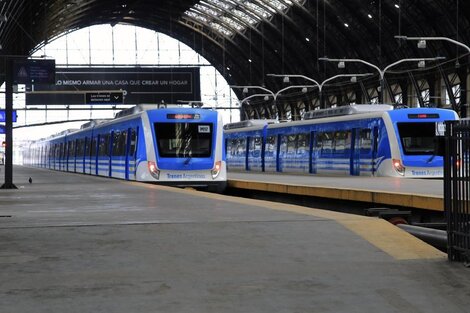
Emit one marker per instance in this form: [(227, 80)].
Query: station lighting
[(317, 84), (422, 41), (341, 64)]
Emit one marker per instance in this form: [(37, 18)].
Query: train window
[(342, 141), (326, 140), (116, 150), (103, 149), (270, 145), (80, 147), (417, 138), (183, 140), (93, 147), (61, 150), (133, 145), (255, 146), (241, 147), (365, 140), (303, 143), (122, 143), (291, 143), (70, 149)]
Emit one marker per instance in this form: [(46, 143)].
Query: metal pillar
[(9, 126)]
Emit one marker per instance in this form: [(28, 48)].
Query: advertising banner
[(118, 86)]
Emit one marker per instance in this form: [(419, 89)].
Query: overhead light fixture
[(304, 90), (369, 15), (346, 25), (422, 44), (266, 98), (354, 79), (249, 60), (307, 39), (245, 90), (341, 64), (286, 80), (421, 64)]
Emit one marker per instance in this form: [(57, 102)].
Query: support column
[(9, 126)]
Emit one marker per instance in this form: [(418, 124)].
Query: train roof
[(248, 123), (347, 110)]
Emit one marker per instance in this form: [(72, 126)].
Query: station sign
[(103, 98), (31, 71), (136, 85), (3, 116)]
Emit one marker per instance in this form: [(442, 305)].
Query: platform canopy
[(246, 39)]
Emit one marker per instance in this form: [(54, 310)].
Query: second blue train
[(360, 140)]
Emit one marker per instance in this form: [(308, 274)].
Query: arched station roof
[(247, 39)]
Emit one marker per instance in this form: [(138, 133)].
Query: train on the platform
[(173, 146), (358, 140)]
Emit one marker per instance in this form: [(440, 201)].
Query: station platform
[(77, 243), (412, 193)]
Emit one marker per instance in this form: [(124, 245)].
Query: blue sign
[(3, 116), (2, 129)]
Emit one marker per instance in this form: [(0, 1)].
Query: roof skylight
[(231, 16)]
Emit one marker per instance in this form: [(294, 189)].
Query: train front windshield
[(184, 140), (417, 138)]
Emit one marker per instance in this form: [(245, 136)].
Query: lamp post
[(270, 93), (265, 95), (422, 41), (381, 71), (319, 85)]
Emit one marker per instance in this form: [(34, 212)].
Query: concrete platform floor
[(75, 243)]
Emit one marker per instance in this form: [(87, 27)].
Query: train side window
[(103, 149), (61, 150), (255, 146), (283, 144), (133, 144), (80, 147), (93, 147), (241, 147), (122, 143), (270, 148), (70, 149), (326, 142), (291, 144), (116, 137), (342, 141), (303, 143), (365, 141)]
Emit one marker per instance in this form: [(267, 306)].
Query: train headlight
[(216, 170), (398, 166), (153, 170)]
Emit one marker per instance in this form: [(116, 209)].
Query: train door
[(131, 162), (355, 155), (364, 154), (94, 156), (110, 154), (375, 143)]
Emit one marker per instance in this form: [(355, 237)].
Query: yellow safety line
[(392, 240)]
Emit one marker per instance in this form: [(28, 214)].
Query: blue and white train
[(174, 146), (366, 140)]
